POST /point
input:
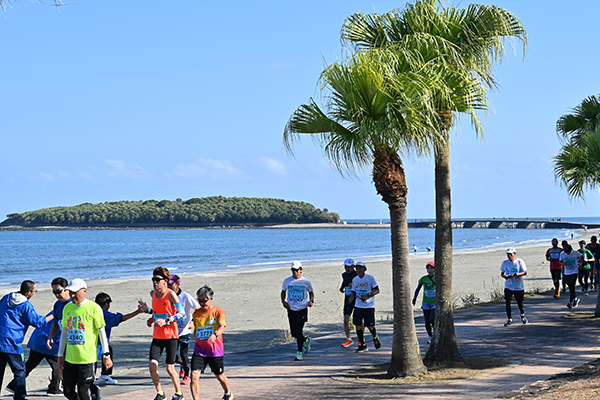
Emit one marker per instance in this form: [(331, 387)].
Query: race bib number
[(76, 336), (161, 316), (554, 256), (296, 293), (430, 294), (512, 270), (360, 292), (348, 291), (204, 332)]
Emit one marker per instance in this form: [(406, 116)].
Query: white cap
[(511, 250), (348, 262), (296, 265), (360, 264), (76, 285)]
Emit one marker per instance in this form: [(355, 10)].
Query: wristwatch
[(105, 355), (216, 334)]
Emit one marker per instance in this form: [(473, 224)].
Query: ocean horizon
[(108, 254)]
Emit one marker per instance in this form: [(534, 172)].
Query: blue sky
[(106, 101)]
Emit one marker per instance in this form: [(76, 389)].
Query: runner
[(346, 288), (364, 289), (513, 270), (209, 324), (166, 309), (585, 267), (38, 342), (82, 325), (552, 255), (16, 315), (299, 294), (428, 304), (569, 258), (594, 247), (112, 319), (185, 326)]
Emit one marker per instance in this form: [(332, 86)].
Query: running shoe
[(10, 388), (228, 396), (585, 294), (377, 342), (181, 373), (523, 319), (362, 348), (509, 322), (429, 340), (306, 346), (54, 393), (576, 302), (107, 380), (347, 342), (186, 380), (299, 356), (178, 396), (159, 396), (569, 305)]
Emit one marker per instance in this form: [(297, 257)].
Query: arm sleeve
[(180, 312), (103, 340), (63, 341)]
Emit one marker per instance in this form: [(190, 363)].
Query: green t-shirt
[(428, 289), (587, 255), (83, 323)]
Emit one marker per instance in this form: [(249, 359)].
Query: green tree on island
[(576, 165), (472, 40), (380, 103)]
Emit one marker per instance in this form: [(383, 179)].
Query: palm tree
[(473, 40), (577, 165), (378, 103)]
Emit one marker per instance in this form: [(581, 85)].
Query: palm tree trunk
[(444, 347), (390, 182)]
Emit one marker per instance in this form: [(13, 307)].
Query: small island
[(213, 211)]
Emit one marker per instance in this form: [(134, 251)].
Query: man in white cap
[(81, 326), (513, 270), (346, 288), (296, 296)]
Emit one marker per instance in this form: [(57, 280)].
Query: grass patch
[(283, 337), (471, 368)]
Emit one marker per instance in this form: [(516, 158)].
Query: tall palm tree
[(473, 38), (379, 104), (577, 165)]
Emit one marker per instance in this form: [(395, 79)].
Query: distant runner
[(513, 270), (346, 288), (296, 296), (209, 324), (364, 289), (428, 304), (594, 247), (585, 268), (552, 255), (569, 258)]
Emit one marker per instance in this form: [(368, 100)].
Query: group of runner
[(360, 289), (75, 334), (570, 266)]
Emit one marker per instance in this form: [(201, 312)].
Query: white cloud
[(47, 177), (205, 167), (273, 166), (131, 171)]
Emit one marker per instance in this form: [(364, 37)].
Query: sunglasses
[(157, 279), (59, 291)]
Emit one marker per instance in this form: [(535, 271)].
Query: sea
[(109, 254)]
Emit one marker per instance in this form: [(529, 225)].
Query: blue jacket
[(16, 315)]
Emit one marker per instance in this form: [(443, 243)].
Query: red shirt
[(554, 255)]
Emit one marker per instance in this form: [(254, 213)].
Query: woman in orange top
[(166, 310)]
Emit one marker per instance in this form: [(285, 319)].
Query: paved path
[(552, 342)]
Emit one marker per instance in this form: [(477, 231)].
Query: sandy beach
[(255, 316)]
